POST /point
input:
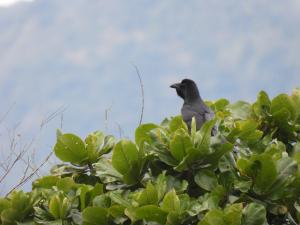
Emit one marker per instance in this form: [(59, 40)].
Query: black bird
[(193, 105)]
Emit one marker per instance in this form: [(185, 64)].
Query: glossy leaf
[(206, 179), (180, 144), (124, 155), (95, 216), (254, 214), (149, 196), (70, 148), (141, 133), (171, 202), (151, 213)]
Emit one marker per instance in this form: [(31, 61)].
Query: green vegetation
[(248, 174)]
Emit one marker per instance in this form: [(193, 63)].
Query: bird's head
[(187, 90)]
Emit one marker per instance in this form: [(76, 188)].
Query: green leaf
[(119, 199), (192, 156), (243, 185), (266, 173), (164, 155), (161, 185), (148, 196), (174, 218), (177, 123), (142, 133), (97, 190), (54, 206), (262, 169), (10, 216), (65, 184), (213, 217), (95, 216), (180, 144), (82, 192), (240, 110), (205, 134), (254, 214), (212, 159), (246, 131), (59, 206), (20, 201), (4, 204), (45, 182), (28, 223), (133, 173), (70, 148), (151, 213), (106, 172), (220, 104), (116, 211), (233, 214), (171, 202), (287, 169), (108, 145), (262, 105), (94, 143), (58, 133), (206, 179), (103, 201), (280, 101), (193, 128), (124, 155), (295, 98)]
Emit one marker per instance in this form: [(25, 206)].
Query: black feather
[(193, 105)]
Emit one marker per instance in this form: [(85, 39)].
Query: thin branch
[(10, 167), (107, 110), (25, 180), (13, 157), (26, 170), (61, 120), (142, 90), (57, 112), (7, 112), (120, 130)]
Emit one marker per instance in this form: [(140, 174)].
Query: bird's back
[(200, 111)]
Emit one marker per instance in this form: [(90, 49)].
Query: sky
[(79, 55), (5, 3)]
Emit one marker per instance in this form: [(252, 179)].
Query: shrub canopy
[(248, 174)]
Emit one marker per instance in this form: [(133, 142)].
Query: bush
[(246, 175)]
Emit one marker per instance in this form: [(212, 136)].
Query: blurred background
[(69, 64)]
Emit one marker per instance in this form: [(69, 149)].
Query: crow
[(193, 105)]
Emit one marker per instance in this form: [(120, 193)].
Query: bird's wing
[(188, 112), (201, 115)]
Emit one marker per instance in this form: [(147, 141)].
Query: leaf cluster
[(248, 174)]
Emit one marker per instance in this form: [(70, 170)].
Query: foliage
[(248, 174)]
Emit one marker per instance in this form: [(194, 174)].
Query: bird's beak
[(177, 85)]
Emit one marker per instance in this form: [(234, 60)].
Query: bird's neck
[(194, 100), (193, 94)]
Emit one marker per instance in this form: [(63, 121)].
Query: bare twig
[(107, 110), (11, 167), (120, 130), (17, 151), (142, 90), (61, 120), (26, 179), (26, 170), (57, 112), (7, 112)]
